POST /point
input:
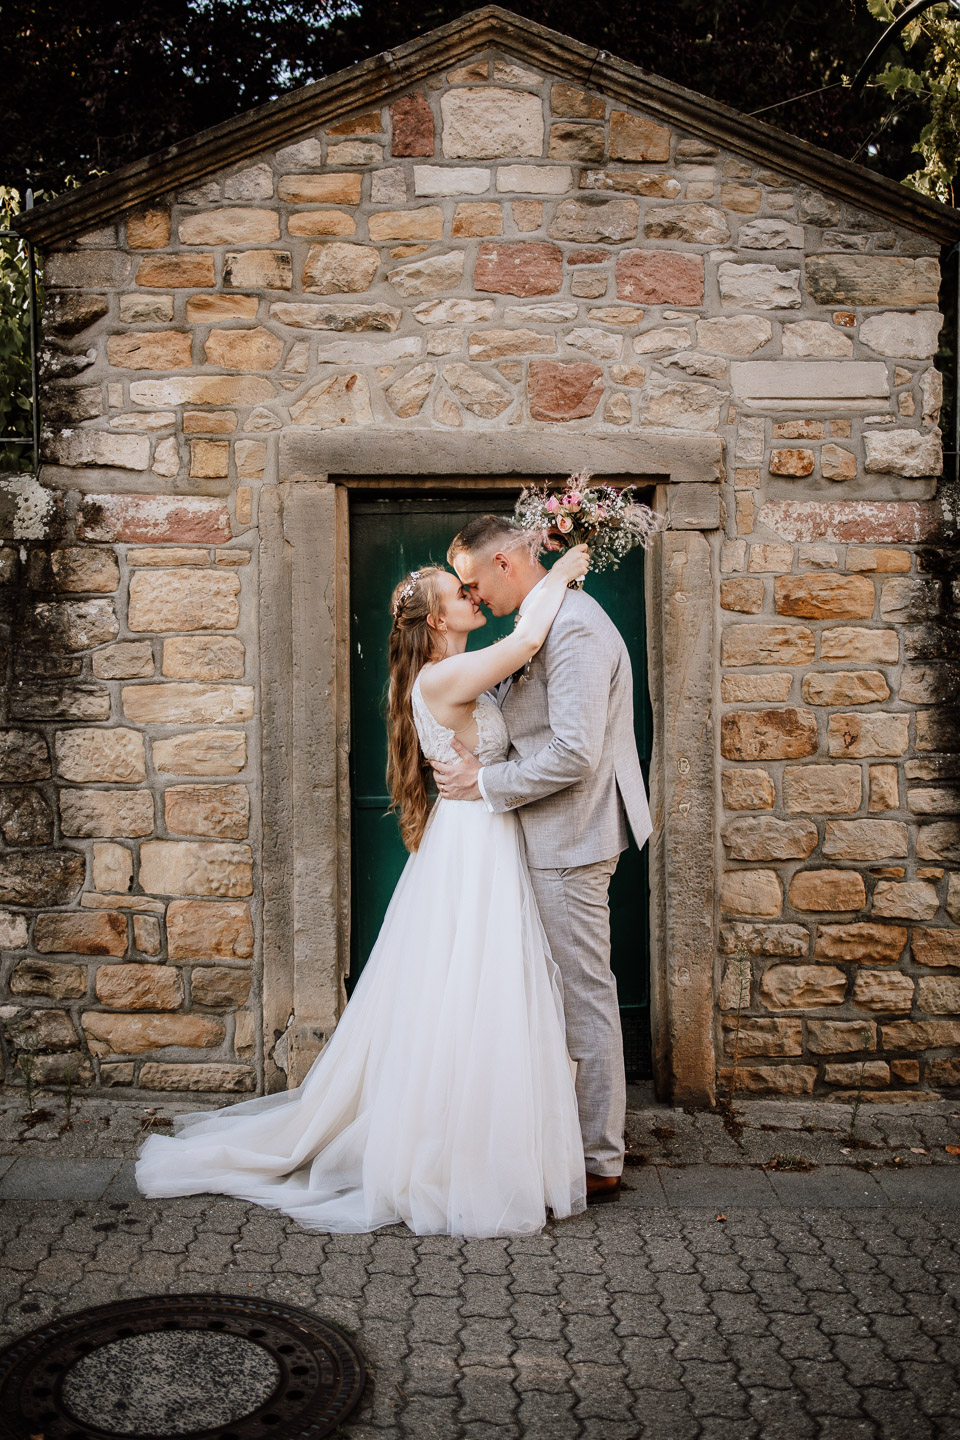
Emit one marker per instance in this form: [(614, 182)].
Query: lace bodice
[(436, 740)]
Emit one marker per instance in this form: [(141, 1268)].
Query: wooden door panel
[(388, 537)]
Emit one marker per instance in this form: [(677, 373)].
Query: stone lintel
[(655, 455)]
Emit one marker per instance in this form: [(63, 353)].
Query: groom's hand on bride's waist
[(457, 779)]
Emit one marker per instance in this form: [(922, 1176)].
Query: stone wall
[(497, 251)]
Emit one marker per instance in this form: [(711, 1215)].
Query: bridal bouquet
[(609, 520)]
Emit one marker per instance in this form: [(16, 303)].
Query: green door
[(388, 538)]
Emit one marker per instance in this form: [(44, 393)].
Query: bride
[(445, 1097)]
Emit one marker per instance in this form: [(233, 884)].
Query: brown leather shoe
[(602, 1189)]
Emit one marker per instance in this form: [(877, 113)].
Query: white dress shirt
[(523, 605)]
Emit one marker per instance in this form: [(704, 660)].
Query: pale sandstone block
[(115, 755), (750, 1036), (79, 934), (742, 595), (768, 734), (219, 810), (633, 137), (165, 556), (230, 226), (425, 223), (54, 981), (203, 752), (905, 900), (501, 344), (184, 600), (491, 122), (936, 946), (870, 1072), (827, 890), (184, 703), (258, 270), (476, 219), (921, 1034), (226, 1079), (953, 897), (205, 309), (407, 394), (733, 335), (825, 597), (81, 568), (431, 180), (792, 940), (884, 791), (859, 942), (802, 987), (822, 789), (758, 287), (837, 463), (851, 642), (883, 558), (112, 866), (906, 336), (815, 338), (178, 272), (843, 1037), (766, 838), (818, 557), (13, 931), (203, 657), (872, 280), (429, 277), (535, 180), (747, 790), (317, 223), (98, 448), (219, 987), (864, 840), (771, 1079), (257, 349), (200, 390), (766, 645), (845, 687), (92, 814), (867, 734), (146, 309), (911, 453), (133, 1034), (908, 598), (182, 867), (209, 930), (770, 558), (146, 934), (939, 994), (889, 991), (339, 400), (354, 152), (148, 229), (755, 689), (338, 266), (140, 987), (751, 892)]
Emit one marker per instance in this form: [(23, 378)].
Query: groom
[(574, 777)]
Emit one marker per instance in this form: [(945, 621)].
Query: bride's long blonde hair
[(413, 642)]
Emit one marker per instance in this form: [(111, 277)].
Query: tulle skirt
[(445, 1098)]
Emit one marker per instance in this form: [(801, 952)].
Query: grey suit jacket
[(573, 772)]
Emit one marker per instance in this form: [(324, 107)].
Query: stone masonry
[(496, 250)]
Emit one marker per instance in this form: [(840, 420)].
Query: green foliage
[(16, 379), (930, 72)]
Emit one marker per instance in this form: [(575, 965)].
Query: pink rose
[(574, 498), (553, 504), (564, 524)]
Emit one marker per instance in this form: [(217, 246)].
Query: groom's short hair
[(482, 532)]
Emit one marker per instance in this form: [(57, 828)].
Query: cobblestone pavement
[(719, 1300)]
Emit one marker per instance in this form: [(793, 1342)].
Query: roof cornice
[(382, 76)]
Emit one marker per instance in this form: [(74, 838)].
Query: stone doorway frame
[(305, 731)]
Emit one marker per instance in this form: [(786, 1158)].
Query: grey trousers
[(575, 912)]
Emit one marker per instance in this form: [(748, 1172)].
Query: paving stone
[(46, 1178), (716, 1186)]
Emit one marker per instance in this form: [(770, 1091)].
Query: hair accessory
[(410, 584)]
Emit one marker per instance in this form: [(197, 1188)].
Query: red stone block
[(412, 122), (521, 269), (563, 392), (660, 277), (879, 521), (154, 519), (587, 257)]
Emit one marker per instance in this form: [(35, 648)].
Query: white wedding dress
[(444, 1098)]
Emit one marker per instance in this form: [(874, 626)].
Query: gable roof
[(383, 76)]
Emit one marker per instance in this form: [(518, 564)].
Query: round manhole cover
[(187, 1367)]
